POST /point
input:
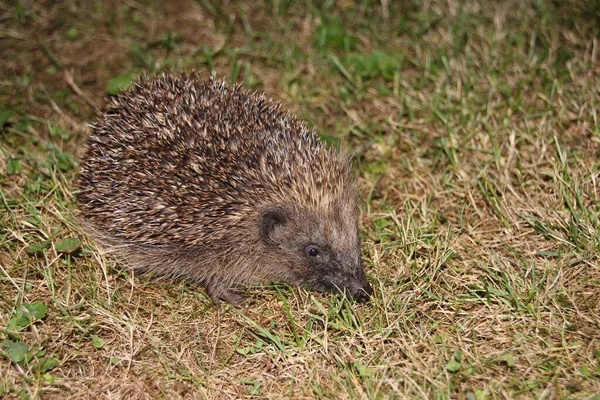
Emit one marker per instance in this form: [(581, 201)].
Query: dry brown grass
[(477, 144)]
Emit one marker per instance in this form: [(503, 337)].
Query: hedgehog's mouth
[(356, 287), (361, 292)]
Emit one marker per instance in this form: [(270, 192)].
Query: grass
[(475, 133)]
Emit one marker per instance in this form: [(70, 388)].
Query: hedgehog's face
[(318, 252)]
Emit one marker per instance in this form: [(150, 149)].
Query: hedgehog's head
[(319, 250)]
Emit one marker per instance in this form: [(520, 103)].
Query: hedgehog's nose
[(363, 293)]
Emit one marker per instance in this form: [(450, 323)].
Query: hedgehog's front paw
[(231, 296)]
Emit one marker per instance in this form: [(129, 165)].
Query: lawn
[(476, 142)]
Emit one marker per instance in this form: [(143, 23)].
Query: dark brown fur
[(194, 179)]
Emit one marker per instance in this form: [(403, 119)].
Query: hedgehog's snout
[(352, 279), (361, 290), (362, 293)]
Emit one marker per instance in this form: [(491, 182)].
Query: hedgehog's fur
[(194, 179)]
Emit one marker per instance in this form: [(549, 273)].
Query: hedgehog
[(197, 180)]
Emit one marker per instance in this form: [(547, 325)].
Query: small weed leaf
[(63, 161), (585, 370), (14, 166), (169, 40), (37, 310), (373, 65), (17, 322), (47, 364), (14, 351), (68, 246), (73, 33), (479, 394), (120, 83), (57, 131), (509, 359), (37, 248), (363, 370), (244, 350), (4, 116), (97, 342), (332, 34), (26, 315), (255, 389), (33, 221), (252, 349), (455, 364), (381, 223)]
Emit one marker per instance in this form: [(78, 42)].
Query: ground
[(475, 138)]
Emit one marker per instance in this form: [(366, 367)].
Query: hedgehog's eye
[(313, 251)]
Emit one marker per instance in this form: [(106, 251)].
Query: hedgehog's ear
[(270, 220)]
